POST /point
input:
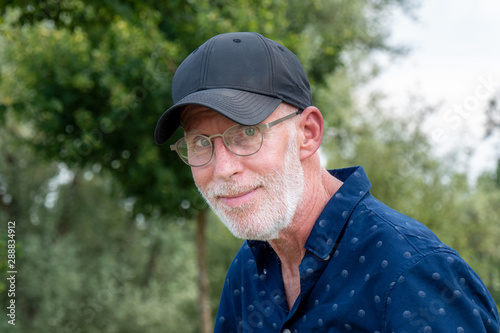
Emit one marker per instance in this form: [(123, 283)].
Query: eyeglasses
[(197, 150)]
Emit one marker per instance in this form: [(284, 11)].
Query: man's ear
[(311, 132)]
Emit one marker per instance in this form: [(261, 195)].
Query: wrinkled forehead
[(191, 111), (194, 117)]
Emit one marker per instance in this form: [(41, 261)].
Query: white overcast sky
[(455, 49)]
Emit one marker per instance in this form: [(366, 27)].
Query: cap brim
[(242, 107)]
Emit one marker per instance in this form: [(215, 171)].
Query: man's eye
[(249, 131), (202, 142)]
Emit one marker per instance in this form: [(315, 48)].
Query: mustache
[(231, 188)]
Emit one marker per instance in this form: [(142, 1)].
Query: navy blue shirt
[(367, 268)]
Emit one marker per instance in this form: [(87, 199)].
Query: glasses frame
[(261, 127)]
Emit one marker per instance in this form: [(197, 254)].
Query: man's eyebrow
[(192, 132)]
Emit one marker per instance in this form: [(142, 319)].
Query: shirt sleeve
[(439, 292)]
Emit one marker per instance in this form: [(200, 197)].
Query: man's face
[(254, 196)]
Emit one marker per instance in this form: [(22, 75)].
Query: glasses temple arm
[(276, 122)]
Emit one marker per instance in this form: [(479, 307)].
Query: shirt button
[(287, 331)]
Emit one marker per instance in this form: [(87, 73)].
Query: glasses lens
[(244, 140), (195, 150)]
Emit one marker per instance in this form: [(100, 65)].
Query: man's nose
[(226, 164)]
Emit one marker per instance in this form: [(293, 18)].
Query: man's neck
[(290, 245), (318, 191)]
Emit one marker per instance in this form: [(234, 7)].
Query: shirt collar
[(334, 217), (329, 225)]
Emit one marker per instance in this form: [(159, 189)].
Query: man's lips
[(238, 199)]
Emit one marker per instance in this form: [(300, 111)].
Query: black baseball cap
[(242, 75)]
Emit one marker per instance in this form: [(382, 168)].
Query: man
[(322, 255)]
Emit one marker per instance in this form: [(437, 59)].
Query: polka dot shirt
[(367, 268)]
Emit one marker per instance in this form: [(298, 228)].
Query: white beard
[(263, 220)]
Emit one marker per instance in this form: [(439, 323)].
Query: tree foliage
[(86, 263), (493, 114)]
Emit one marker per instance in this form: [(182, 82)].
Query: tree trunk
[(153, 257), (205, 312)]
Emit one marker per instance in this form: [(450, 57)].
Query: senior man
[(322, 254)]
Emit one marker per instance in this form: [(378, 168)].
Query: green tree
[(85, 261), (493, 114), (484, 231)]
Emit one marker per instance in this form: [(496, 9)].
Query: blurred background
[(112, 236)]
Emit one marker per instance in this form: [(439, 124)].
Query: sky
[(454, 63)]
